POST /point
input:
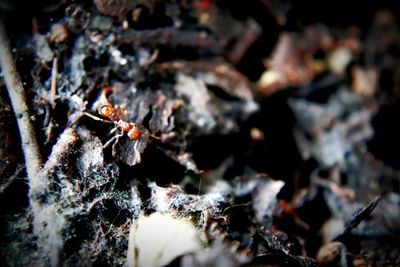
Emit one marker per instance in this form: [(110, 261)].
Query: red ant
[(113, 114)]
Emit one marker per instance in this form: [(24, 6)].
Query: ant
[(113, 115)]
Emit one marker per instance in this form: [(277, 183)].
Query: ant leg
[(113, 130), (151, 135), (96, 118), (137, 152), (113, 139)]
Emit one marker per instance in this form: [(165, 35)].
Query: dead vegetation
[(229, 134)]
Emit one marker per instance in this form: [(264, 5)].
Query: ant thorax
[(123, 125)]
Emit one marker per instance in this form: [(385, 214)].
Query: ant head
[(106, 110)]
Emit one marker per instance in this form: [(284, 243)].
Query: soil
[(199, 133)]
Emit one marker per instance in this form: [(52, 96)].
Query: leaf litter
[(189, 86)]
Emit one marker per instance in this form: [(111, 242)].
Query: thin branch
[(54, 71), (17, 96), (358, 217), (11, 179), (362, 214)]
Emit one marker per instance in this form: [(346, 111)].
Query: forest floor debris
[(262, 129)]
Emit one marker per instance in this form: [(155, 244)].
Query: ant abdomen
[(135, 133)]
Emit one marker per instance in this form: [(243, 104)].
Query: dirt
[(202, 133)]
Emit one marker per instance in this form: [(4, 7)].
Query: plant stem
[(19, 104)]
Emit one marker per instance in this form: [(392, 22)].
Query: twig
[(47, 222), (172, 37), (17, 96), (10, 180), (253, 31), (362, 214), (54, 71), (358, 217)]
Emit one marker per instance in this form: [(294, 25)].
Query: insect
[(132, 130)]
